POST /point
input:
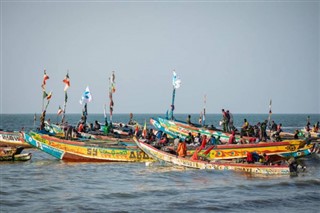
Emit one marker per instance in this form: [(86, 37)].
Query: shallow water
[(45, 184)]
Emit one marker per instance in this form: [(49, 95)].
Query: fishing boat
[(78, 151), (12, 139), (13, 154), (172, 159), (176, 128)]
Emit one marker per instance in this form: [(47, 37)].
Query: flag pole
[(65, 100), (176, 84), (204, 111), (172, 103), (34, 120), (270, 112), (111, 90)]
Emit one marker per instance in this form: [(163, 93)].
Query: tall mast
[(204, 111), (270, 112), (66, 80), (86, 98), (176, 82), (112, 89)]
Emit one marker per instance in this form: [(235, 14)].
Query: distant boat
[(13, 154)]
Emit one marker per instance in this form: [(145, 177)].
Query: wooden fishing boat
[(312, 133), (85, 152), (166, 157), (177, 128), (12, 139), (13, 154), (231, 151)]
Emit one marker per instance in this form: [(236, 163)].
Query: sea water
[(45, 184)]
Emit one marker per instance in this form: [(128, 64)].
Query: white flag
[(176, 82), (86, 96)]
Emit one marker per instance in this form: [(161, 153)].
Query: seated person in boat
[(97, 126), (242, 140), (164, 140), (189, 139), (213, 140), (176, 142), (232, 138), (81, 127), (197, 140), (265, 159), (182, 149)]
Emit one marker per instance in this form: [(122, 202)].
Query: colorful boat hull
[(240, 150), (13, 139), (197, 164), (80, 151), (176, 128)]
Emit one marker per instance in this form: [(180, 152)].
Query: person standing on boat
[(273, 127), (263, 131), (189, 120), (224, 120), (230, 123), (277, 134), (42, 119), (245, 127)]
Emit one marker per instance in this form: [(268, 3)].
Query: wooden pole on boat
[(270, 113), (172, 103), (176, 84), (34, 120), (112, 89), (204, 111), (66, 80)]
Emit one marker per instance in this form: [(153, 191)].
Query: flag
[(45, 78), (144, 131), (60, 111), (86, 96), (112, 83), (208, 150), (195, 154), (66, 80), (49, 96), (136, 131), (104, 110), (176, 82), (44, 94)]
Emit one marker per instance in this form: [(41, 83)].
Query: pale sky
[(240, 54)]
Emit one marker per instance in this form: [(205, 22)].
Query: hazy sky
[(240, 54)]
